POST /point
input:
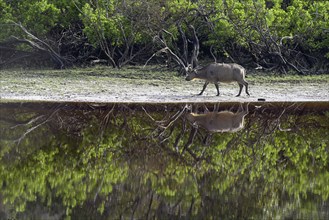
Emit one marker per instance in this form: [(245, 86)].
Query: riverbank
[(137, 84)]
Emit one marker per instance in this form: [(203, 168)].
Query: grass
[(265, 77), (150, 72), (98, 72)]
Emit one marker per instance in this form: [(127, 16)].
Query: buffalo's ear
[(186, 70), (189, 68)]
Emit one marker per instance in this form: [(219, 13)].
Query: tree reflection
[(153, 161)]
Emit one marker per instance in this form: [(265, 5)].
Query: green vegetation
[(281, 35)]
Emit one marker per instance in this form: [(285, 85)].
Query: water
[(170, 161)]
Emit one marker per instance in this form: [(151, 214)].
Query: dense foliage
[(268, 34)]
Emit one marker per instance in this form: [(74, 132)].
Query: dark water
[(142, 161)]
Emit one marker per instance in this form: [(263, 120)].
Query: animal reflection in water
[(223, 121)]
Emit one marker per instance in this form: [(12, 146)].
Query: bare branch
[(196, 48), (185, 48), (40, 45)]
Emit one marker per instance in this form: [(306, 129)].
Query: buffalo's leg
[(246, 85), (217, 87), (204, 87), (241, 86)]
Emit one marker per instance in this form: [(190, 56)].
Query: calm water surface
[(170, 161)]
